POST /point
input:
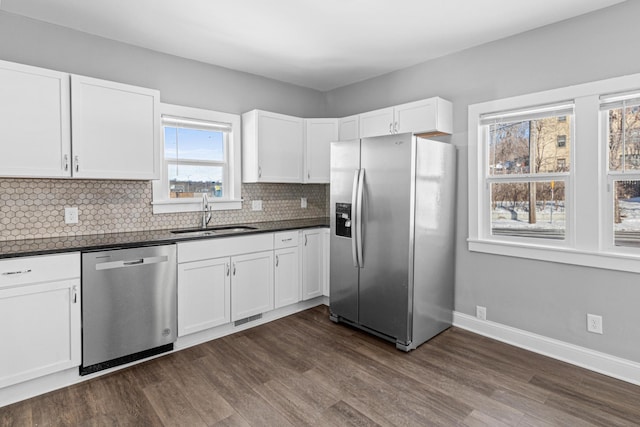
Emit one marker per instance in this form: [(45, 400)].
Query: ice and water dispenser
[(343, 219)]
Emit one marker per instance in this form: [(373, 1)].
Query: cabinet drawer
[(46, 268), (226, 246), (285, 239)]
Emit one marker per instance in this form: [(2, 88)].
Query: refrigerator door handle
[(359, 218), (354, 222)]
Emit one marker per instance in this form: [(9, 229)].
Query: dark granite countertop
[(28, 247)]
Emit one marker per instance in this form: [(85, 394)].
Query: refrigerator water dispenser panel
[(343, 219)]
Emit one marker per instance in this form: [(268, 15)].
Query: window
[(562, 140), (561, 165), (621, 116), (201, 157), (555, 175), (526, 190)]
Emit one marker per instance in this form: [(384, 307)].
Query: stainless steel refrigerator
[(392, 236)]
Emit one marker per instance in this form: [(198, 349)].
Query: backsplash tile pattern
[(34, 208)]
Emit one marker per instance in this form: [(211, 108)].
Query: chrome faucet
[(206, 211)]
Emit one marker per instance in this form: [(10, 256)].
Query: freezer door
[(384, 277), (343, 278)]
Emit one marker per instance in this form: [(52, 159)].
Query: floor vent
[(247, 319)]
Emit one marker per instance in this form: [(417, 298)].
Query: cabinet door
[(431, 116), (416, 116), (312, 264), (251, 284), (319, 133), (41, 330), (349, 128), (35, 122), (280, 142), (204, 295), (376, 123), (115, 130), (287, 276)]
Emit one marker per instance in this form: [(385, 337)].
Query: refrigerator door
[(343, 279), (386, 163)]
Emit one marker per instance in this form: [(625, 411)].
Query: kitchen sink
[(213, 231)]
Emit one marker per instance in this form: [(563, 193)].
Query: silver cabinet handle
[(227, 270), (277, 260), (74, 294), (305, 240), (66, 162), (76, 161), (259, 171), (134, 262), (308, 175), (287, 240), (395, 127), (234, 268), (16, 273), (391, 127)]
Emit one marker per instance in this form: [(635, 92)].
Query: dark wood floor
[(305, 370)]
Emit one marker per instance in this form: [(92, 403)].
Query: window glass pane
[(530, 146), (624, 138), (626, 213), (193, 144), (194, 181), (528, 209)]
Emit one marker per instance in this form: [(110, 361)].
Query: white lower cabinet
[(251, 284), (204, 295), (312, 263), (326, 235), (287, 268), (40, 316), (223, 280)]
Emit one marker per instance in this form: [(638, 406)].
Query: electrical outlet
[(256, 205), (594, 323), (303, 202), (71, 215), (481, 312)]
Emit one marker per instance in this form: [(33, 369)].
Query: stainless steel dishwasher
[(129, 300)]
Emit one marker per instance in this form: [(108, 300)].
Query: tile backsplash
[(34, 208)]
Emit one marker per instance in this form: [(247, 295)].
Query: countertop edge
[(155, 237)]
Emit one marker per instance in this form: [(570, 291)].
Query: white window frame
[(611, 177), (162, 203), (589, 234)]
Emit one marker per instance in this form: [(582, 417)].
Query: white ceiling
[(320, 44)]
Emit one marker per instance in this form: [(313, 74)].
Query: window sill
[(193, 205), (604, 260)]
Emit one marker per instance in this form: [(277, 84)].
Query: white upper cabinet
[(349, 128), (34, 122), (60, 126), (319, 133), (432, 116), (272, 147), (376, 123), (115, 130)]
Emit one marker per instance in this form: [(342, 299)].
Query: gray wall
[(180, 81), (541, 297)]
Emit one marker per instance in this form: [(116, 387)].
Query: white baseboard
[(622, 369)]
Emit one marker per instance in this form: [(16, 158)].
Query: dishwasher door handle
[(131, 263)]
